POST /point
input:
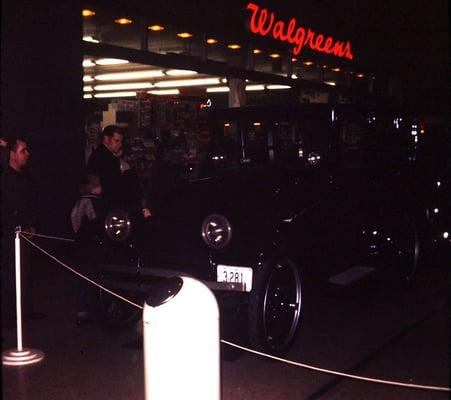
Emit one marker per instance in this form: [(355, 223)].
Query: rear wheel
[(115, 314), (275, 307)]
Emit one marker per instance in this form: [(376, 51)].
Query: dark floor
[(373, 329)]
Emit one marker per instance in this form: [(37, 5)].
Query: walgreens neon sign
[(265, 23)]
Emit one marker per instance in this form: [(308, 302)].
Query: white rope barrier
[(295, 363), (342, 374), (48, 237), (80, 275)]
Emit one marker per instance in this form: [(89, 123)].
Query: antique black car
[(284, 195)]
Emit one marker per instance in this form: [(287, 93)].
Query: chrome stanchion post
[(181, 341), (19, 355)]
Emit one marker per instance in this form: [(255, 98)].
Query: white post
[(20, 356), (18, 291), (181, 341)]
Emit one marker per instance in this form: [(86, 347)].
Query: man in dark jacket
[(105, 163), (18, 209)]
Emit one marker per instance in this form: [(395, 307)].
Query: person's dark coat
[(108, 167)]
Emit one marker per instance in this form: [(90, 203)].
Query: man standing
[(120, 189), (105, 163), (18, 209)]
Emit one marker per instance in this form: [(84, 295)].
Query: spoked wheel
[(115, 314), (275, 307)]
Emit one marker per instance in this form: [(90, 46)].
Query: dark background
[(41, 72)]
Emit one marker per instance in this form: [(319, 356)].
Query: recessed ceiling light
[(360, 75), (307, 62), (155, 28), (336, 69), (88, 13), (234, 46), (123, 21), (294, 59), (184, 35), (274, 55), (212, 41), (257, 51)]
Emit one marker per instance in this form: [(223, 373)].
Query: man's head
[(112, 138), (18, 153)]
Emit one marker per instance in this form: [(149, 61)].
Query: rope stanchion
[(20, 355), (295, 363)]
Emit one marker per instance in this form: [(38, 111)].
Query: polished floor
[(362, 330)]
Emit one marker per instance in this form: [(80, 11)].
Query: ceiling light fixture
[(164, 92), (88, 63), (119, 76), (155, 28), (184, 35), (294, 59), (256, 51), (87, 89), (180, 72), (90, 39), (274, 55), (87, 78), (212, 41), (254, 88), (336, 69), (360, 75), (110, 61), (330, 83), (124, 86), (218, 89), (234, 46), (87, 96), (307, 63), (115, 94), (87, 13), (188, 82), (276, 87), (123, 21)]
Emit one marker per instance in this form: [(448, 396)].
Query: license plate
[(234, 274)]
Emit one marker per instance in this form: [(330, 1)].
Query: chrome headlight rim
[(117, 225), (216, 231)]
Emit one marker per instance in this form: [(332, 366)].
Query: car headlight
[(117, 225), (216, 231)]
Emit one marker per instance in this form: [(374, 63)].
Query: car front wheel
[(275, 307)]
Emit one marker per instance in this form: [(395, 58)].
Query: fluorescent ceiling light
[(294, 76), (188, 82), (330, 83), (88, 63), (180, 72), (119, 76), (87, 96), (110, 61), (115, 94), (124, 86), (253, 88), (87, 89), (87, 78), (218, 89), (90, 39), (271, 87), (164, 92)]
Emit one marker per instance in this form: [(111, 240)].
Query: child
[(86, 217)]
